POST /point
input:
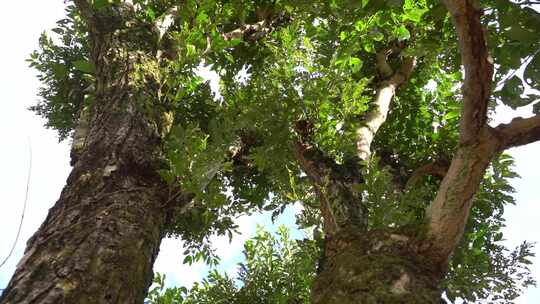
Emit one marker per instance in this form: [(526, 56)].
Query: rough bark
[(375, 267), (98, 243), (100, 240), (339, 202)]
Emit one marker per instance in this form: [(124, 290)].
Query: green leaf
[(402, 33), (202, 17), (368, 46), (150, 13), (516, 32), (84, 66), (355, 64), (191, 50), (415, 15), (59, 70), (376, 35), (451, 115)]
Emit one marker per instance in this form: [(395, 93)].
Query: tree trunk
[(375, 267), (100, 240)]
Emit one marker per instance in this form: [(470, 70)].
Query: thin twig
[(24, 205)]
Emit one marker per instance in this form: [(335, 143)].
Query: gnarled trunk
[(100, 240)]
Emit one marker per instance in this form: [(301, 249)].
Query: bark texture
[(449, 211), (360, 265), (98, 243), (375, 267), (100, 240)]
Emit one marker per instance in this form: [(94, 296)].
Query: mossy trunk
[(98, 243), (100, 240), (375, 267)]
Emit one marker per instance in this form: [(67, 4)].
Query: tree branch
[(438, 168), (448, 213), (340, 202), (312, 163), (520, 131), (261, 27), (478, 66), (381, 105)]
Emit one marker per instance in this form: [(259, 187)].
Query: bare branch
[(478, 66), (377, 116), (520, 131)]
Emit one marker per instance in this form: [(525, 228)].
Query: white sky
[(20, 27)]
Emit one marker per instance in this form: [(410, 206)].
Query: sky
[(20, 27)]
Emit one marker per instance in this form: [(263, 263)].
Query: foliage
[(277, 269), (66, 74)]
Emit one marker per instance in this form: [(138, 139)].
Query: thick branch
[(340, 202), (448, 213), (377, 116), (478, 66), (519, 132)]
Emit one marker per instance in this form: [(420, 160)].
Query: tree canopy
[(351, 108)]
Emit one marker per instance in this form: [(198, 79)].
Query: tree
[(350, 107), (277, 269)]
